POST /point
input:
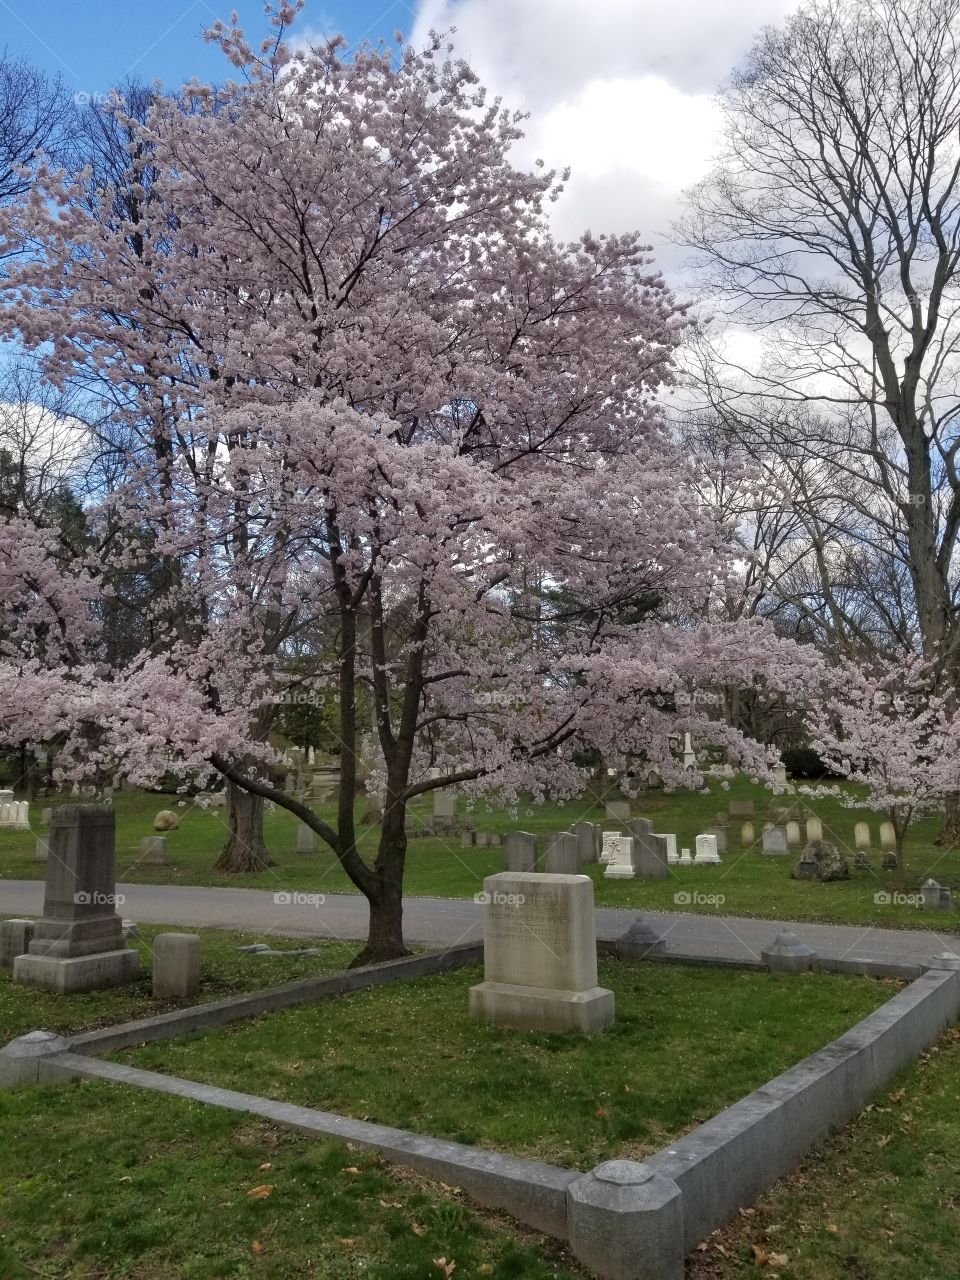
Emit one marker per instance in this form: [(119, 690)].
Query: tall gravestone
[(588, 842), (519, 851), (78, 944), (618, 810), (444, 810), (540, 955), (561, 856), (649, 850)]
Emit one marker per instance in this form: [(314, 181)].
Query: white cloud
[(620, 90)]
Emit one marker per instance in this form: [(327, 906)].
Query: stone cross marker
[(540, 955), (78, 942)]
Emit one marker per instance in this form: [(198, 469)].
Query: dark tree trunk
[(245, 849), (950, 831), (385, 929)]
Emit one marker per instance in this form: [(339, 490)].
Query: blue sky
[(96, 43)]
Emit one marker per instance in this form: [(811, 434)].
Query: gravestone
[(649, 850), (153, 851), (540, 955), (689, 758), (807, 866), (780, 775), (620, 857), (560, 856), (618, 810), (720, 836), (706, 849), (774, 840), (306, 839), (747, 835), (42, 849), (606, 845), (483, 839), (519, 851), (176, 965), (588, 842), (468, 838), (444, 810), (814, 828), (685, 858), (45, 815), (741, 808), (793, 835), (888, 836), (671, 845), (78, 942), (861, 835), (15, 936), (935, 897)]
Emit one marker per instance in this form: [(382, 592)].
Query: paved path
[(445, 921)]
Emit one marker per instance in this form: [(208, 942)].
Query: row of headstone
[(643, 854), (15, 815), (563, 854), (887, 834), (471, 839)]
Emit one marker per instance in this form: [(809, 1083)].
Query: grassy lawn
[(750, 883), (223, 972), (98, 1182), (879, 1201), (687, 1042)]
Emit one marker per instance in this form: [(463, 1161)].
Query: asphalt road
[(446, 921)]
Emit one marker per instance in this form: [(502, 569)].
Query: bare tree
[(832, 222)]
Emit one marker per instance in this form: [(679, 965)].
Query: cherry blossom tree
[(367, 397), (890, 724)]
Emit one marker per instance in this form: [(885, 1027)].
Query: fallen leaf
[(833, 1228), (448, 1268), (265, 1166), (485, 1269), (389, 1204), (601, 1113), (882, 1142), (779, 1259), (256, 1248), (898, 1095), (348, 1242), (760, 1256), (418, 1228), (127, 1179), (350, 1169), (260, 1193)]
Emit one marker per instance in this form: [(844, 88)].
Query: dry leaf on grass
[(448, 1268), (256, 1248), (260, 1193)]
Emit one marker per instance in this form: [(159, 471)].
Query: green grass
[(99, 1182), (223, 972), (687, 1042), (879, 1201), (750, 883)]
